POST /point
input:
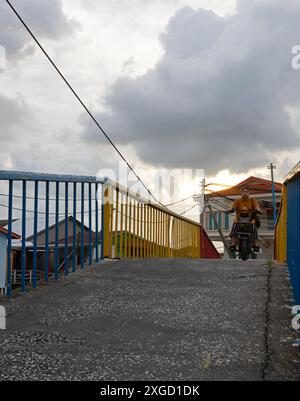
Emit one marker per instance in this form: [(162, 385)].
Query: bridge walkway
[(155, 320)]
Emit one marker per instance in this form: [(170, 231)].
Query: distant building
[(3, 255), (41, 241), (261, 190), (41, 248)]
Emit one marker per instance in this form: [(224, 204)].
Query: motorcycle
[(244, 233)]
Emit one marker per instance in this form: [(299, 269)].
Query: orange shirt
[(244, 206)]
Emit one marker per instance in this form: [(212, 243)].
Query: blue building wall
[(293, 233)]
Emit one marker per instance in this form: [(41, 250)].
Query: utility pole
[(202, 204), (200, 200), (272, 168)]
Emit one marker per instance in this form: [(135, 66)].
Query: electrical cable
[(182, 200), (82, 103), (186, 211)]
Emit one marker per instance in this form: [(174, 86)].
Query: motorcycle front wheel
[(244, 249)]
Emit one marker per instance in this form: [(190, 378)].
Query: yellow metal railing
[(135, 228), (281, 229)]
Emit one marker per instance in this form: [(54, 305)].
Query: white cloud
[(15, 116), (217, 97), (45, 18), (115, 38), (191, 83)]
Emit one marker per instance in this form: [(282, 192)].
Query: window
[(212, 226), (226, 221), (219, 220), (211, 222)]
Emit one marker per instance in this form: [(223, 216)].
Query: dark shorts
[(235, 229)]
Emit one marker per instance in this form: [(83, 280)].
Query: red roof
[(13, 235), (256, 186)]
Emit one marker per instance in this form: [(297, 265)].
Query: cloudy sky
[(175, 83)]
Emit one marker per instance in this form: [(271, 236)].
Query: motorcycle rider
[(244, 206)]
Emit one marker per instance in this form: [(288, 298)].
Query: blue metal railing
[(48, 247), (293, 233), (133, 226)]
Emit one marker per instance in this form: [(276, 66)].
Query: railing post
[(9, 266), (121, 226), (96, 223), (130, 236), (74, 251), (138, 219), (35, 230), (103, 222), (66, 229), (134, 229), (56, 263), (116, 242), (126, 238), (82, 227), (110, 212), (23, 252), (90, 225), (106, 214), (46, 273)]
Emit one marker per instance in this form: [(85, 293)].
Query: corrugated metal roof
[(295, 171), (17, 226), (13, 235), (256, 186), (4, 223), (52, 226)]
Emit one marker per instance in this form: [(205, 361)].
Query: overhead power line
[(50, 199), (81, 102), (180, 201), (188, 210), (216, 184), (43, 213), (219, 204)]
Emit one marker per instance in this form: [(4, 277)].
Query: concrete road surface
[(155, 320)]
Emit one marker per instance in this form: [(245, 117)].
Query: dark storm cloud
[(45, 17), (217, 98)]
